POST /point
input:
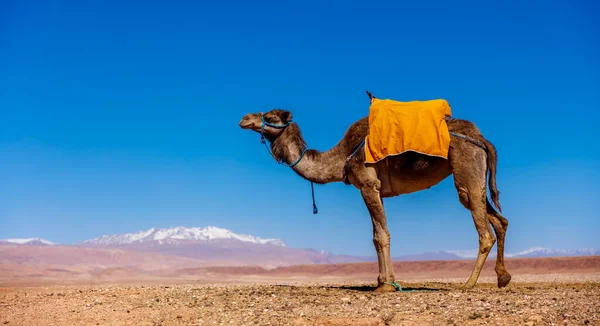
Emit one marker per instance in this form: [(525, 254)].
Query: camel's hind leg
[(469, 178), (482, 224), (500, 225)]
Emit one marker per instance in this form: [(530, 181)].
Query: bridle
[(262, 127), (264, 141)]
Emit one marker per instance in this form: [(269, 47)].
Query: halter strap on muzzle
[(264, 123)]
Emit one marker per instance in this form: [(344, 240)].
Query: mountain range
[(178, 234), (217, 246)]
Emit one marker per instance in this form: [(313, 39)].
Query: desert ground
[(544, 291)]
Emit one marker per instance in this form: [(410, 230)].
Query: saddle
[(397, 127)]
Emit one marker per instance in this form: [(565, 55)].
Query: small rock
[(475, 315), (179, 317), (60, 294)]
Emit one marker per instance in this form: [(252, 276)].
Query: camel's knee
[(486, 243), (381, 240)]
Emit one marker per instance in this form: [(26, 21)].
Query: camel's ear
[(286, 116)]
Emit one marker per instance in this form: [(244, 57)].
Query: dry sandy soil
[(312, 295)]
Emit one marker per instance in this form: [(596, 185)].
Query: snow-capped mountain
[(212, 244), (531, 252), (29, 241), (179, 234)]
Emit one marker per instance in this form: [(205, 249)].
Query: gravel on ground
[(434, 302)]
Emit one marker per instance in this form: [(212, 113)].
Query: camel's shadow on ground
[(368, 288)]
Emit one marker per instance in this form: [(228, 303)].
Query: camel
[(471, 158)]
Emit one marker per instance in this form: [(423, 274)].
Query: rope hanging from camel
[(263, 140)]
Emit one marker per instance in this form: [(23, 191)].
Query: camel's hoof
[(385, 288), (503, 280)]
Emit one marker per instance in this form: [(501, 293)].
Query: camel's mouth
[(246, 124), (251, 121)]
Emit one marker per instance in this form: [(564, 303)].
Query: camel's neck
[(315, 166)]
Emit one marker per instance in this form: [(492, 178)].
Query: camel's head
[(274, 122)]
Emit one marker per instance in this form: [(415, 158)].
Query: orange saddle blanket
[(397, 127)]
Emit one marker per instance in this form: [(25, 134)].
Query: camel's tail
[(492, 160)]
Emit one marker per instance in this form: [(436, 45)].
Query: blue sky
[(120, 117)]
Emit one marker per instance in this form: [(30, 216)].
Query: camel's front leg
[(381, 238)]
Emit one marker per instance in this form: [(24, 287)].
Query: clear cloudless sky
[(119, 116)]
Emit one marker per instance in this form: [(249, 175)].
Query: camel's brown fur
[(396, 175)]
